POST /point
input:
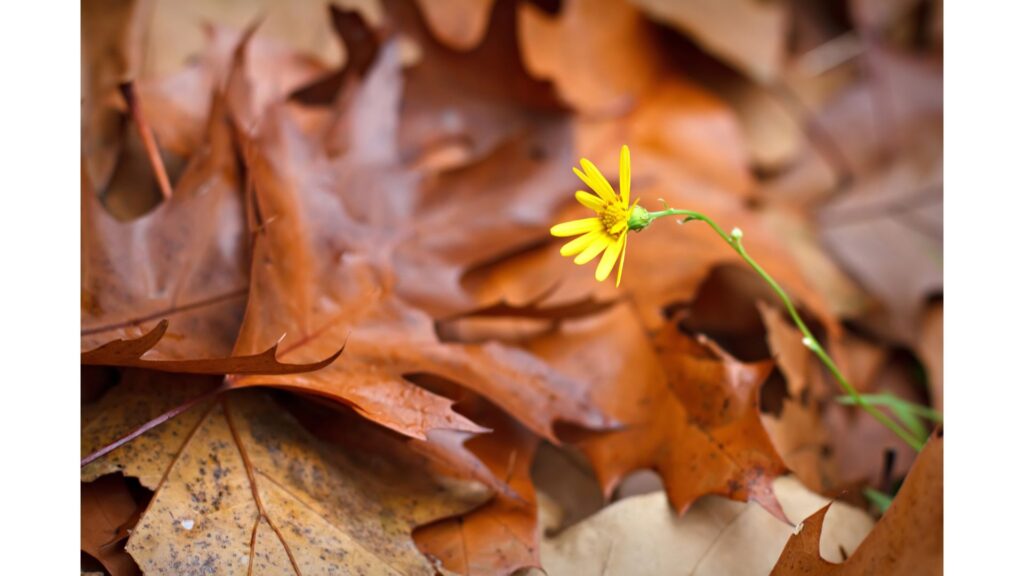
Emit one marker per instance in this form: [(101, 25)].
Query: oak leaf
[(463, 105), (503, 535), (689, 410), (907, 540), (185, 261), (129, 353), (324, 274)]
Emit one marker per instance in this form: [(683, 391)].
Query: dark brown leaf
[(108, 512)]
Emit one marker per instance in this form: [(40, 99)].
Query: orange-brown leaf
[(184, 262), (689, 411), (503, 535), (324, 274), (907, 540), (129, 353)]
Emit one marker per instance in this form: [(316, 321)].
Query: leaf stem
[(735, 241)]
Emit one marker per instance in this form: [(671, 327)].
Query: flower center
[(613, 217)]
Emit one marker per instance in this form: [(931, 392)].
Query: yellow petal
[(577, 245), (597, 182), (604, 268), (595, 248), (597, 177), (590, 183), (624, 174), (622, 260), (574, 227), (589, 200)]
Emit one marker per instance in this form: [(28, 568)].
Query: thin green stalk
[(895, 402), (909, 414), (734, 240)]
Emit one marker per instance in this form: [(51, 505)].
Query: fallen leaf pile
[(325, 329)]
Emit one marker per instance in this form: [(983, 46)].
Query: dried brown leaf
[(129, 353), (503, 535), (640, 535), (907, 540), (929, 348), (108, 511), (250, 489), (141, 396), (185, 261), (600, 55), (463, 105), (748, 34), (324, 273), (828, 446), (112, 36), (460, 24), (689, 411)]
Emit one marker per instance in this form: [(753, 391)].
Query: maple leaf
[(240, 484), (140, 396), (907, 540), (689, 411)]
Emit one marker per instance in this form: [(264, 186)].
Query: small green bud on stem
[(639, 218)]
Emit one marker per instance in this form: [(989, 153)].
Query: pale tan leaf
[(641, 535), (251, 490)]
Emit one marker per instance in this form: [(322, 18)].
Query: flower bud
[(639, 218)]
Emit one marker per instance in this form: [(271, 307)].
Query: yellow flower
[(607, 231)]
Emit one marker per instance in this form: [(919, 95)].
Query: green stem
[(735, 241)]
